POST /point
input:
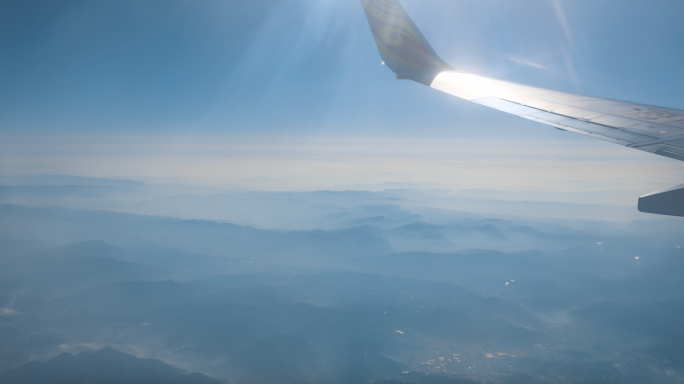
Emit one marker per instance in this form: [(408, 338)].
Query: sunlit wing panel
[(647, 128), (644, 127)]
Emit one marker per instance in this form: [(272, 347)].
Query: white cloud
[(9, 311), (526, 62)]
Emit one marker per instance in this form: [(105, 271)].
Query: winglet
[(401, 45), (668, 201)]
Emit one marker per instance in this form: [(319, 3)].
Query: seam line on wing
[(629, 143), (577, 130), (657, 141)]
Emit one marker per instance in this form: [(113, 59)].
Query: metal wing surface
[(647, 128)]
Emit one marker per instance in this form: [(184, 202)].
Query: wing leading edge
[(647, 128)]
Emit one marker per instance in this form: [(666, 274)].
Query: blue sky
[(309, 70)]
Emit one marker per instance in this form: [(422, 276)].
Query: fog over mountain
[(118, 281)]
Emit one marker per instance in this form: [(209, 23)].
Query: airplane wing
[(644, 127)]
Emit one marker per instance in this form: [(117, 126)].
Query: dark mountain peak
[(375, 221), (207, 224), (419, 228), (479, 252), (109, 350), (62, 358), (97, 248), (104, 366)]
